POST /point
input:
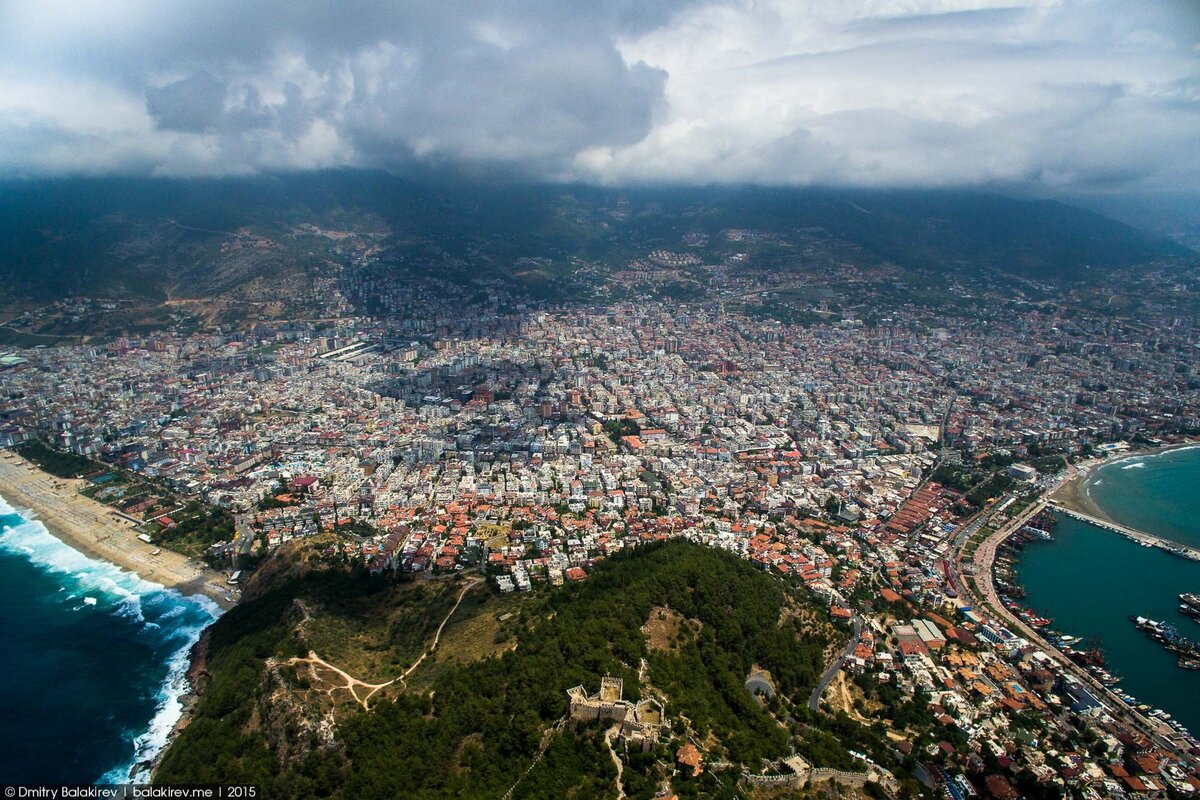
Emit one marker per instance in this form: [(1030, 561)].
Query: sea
[(93, 662), (1089, 580)]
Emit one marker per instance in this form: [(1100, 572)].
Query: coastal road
[(984, 561), (814, 699)]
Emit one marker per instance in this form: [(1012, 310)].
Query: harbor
[(1087, 583), (1141, 537), (1171, 640)]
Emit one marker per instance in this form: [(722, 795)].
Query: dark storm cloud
[(191, 105), (234, 87), (1076, 93), (534, 106)]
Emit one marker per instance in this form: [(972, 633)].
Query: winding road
[(814, 700)]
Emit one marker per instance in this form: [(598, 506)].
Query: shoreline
[(986, 597), (1141, 706), (1073, 495), (197, 681), (99, 532)]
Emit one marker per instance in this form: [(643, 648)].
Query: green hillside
[(469, 722), (148, 239)]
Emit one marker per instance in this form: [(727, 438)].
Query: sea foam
[(173, 622)]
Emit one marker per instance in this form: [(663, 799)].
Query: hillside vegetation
[(470, 720), (252, 239)]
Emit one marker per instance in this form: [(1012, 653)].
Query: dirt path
[(842, 686), (352, 683), (471, 584)]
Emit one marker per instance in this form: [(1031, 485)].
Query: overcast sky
[(1063, 96)]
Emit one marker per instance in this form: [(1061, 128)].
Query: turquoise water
[(1159, 494), (93, 662), (1089, 580)]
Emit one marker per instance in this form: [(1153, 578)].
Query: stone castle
[(640, 722)]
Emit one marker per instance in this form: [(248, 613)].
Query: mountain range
[(163, 238)]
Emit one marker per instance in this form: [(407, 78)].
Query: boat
[(1037, 533), (1189, 663), (1092, 654), (1189, 599), (1167, 635)]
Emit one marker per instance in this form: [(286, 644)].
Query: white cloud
[(1061, 94), (917, 93)]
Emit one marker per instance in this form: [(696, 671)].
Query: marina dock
[(1140, 537)]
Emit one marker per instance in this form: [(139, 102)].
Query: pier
[(1129, 533), (985, 597)]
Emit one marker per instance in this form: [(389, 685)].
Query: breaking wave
[(169, 621)]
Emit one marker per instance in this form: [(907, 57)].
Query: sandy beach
[(1073, 494), (98, 531)]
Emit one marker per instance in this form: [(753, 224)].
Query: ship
[(1189, 663), (1190, 600), (1037, 533), (1167, 635), (1091, 655), (1044, 520)]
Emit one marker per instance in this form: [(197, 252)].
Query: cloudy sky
[(1056, 95)]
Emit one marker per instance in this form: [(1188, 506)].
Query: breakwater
[(1141, 537)]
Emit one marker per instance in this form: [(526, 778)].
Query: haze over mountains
[(159, 238), (501, 120)]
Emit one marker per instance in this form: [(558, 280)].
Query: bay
[(1090, 580)]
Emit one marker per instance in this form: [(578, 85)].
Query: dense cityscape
[(720, 400), (855, 459)]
